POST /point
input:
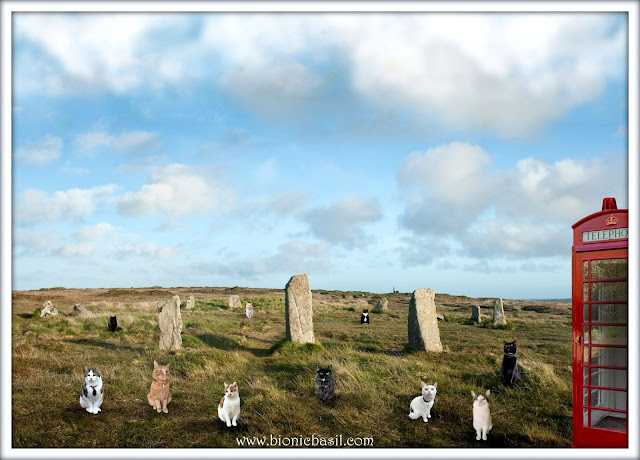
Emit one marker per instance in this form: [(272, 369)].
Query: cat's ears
[(330, 366), (422, 384), (86, 369), (435, 385), (97, 370), (317, 367), (487, 393), (155, 364), (514, 341), (473, 393)]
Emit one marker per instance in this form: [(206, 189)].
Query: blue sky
[(370, 151)]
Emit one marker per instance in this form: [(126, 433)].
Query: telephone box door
[(600, 353)]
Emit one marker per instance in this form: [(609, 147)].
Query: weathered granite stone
[(48, 309), (475, 313), (81, 311), (170, 322), (381, 305), (298, 310), (498, 312), (423, 330), (191, 302), (234, 301)]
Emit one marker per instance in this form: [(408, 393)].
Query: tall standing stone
[(170, 322), (381, 305), (298, 310), (48, 309), (498, 313), (191, 301), (234, 302), (424, 333), (475, 313)]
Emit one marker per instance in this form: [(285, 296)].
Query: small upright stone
[(498, 313), (191, 301), (234, 302), (48, 309), (423, 330), (475, 313), (381, 305), (81, 311), (170, 322), (298, 310)]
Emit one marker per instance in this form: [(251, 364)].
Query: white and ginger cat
[(481, 415), (421, 405), (159, 395), (92, 393), (229, 408)]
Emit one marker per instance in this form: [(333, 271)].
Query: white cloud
[(342, 222), (74, 204), (523, 211), (134, 140), (508, 73), (40, 153), (93, 232), (146, 250), (176, 189)]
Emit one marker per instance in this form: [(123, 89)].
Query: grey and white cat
[(325, 386), (92, 393), (421, 405), (481, 415)]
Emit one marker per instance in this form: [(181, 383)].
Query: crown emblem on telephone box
[(612, 220)]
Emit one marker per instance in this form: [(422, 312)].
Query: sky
[(371, 151)]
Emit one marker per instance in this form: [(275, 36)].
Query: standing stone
[(381, 305), (298, 310), (475, 313), (81, 311), (424, 333), (191, 302), (498, 312), (170, 322), (234, 302), (48, 309)]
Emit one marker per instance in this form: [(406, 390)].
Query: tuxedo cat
[(92, 393), (364, 319), (113, 323), (325, 386), (509, 368)]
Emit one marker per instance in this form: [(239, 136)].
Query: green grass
[(376, 378)]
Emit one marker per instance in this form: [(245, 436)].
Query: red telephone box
[(599, 302)]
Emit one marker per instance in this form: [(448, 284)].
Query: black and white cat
[(364, 319), (113, 323), (509, 368), (421, 405), (325, 386), (92, 393)]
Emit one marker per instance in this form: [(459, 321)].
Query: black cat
[(113, 323), (364, 319), (325, 386), (509, 368)]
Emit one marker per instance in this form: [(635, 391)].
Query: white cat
[(229, 408), (249, 310), (92, 393), (421, 405), (481, 415)]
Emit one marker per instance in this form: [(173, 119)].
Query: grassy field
[(376, 377)]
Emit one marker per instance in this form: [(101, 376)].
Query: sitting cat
[(421, 405), (325, 386), (364, 319), (249, 310), (92, 393), (159, 395), (229, 408), (509, 368), (113, 323), (481, 415)]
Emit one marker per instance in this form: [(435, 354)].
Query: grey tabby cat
[(325, 386)]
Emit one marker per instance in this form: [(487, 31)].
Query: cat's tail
[(413, 415)]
